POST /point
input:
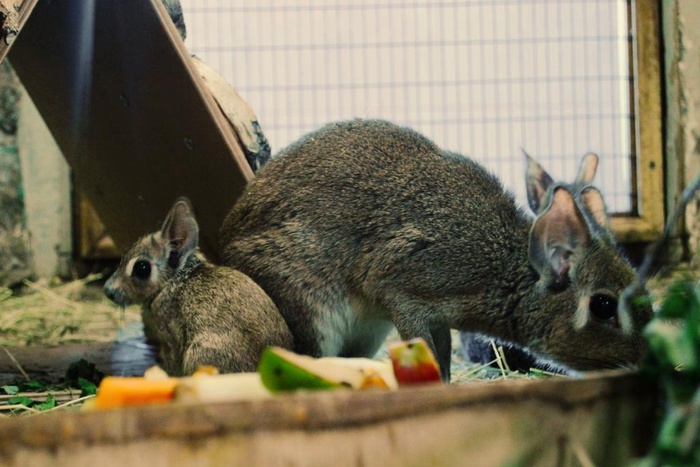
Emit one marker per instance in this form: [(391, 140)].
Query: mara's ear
[(592, 201), (537, 181), (587, 170), (557, 235), (180, 231)]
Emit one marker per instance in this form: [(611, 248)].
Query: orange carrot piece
[(117, 391)]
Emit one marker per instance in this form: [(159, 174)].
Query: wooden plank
[(606, 419), (47, 194), (117, 88), (649, 164)]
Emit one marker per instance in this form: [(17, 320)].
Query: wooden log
[(49, 363), (241, 118), (603, 420)]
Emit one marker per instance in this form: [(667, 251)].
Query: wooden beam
[(648, 166), (131, 114)]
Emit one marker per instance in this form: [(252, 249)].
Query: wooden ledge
[(608, 417)]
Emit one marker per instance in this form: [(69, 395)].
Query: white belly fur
[(351, 328)]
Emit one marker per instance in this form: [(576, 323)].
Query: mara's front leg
[(442, 340)]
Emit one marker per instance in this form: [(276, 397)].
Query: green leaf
[(22, 400), (49, 403), (11, 390), (680, 302), (674, 358), (34, 385), (88, 387), (672, 345)]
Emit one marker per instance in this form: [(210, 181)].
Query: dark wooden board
[(117, 88), (49, 363)]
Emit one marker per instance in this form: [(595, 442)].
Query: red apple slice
[(413, 362)]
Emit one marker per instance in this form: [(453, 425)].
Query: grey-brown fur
[(198, 313), (363, 224), (539, 185)]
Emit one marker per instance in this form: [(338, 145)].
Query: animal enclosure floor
[(46, 326)]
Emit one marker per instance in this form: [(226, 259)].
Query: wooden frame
[(647, 222)]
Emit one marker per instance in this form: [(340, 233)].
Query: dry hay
[(71, 312), (463, 371), (64, 399), (496, 370)]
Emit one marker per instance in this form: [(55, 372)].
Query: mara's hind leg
[(226, 352), (367, 338)]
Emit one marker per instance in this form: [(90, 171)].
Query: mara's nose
[(110, 293), (113, 292)]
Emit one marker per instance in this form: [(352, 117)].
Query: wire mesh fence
[(486, 78)]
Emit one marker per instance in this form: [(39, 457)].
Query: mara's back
[(342, 189)]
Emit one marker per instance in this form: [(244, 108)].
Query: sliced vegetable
[(283, 370), (377, 374), (115, 391), (208, 370), (155, 373), (414, 362), (221, 388)]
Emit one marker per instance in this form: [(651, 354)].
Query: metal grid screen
[(481, 77)]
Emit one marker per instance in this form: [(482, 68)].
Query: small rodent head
[(153, 260), (599, 334), (582, 276)]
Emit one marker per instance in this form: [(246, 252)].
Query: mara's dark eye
[(141, 270), (603, 306)]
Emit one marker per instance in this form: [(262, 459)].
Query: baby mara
[(197, 313)]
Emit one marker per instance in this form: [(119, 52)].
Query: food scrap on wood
[(9, 16)]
